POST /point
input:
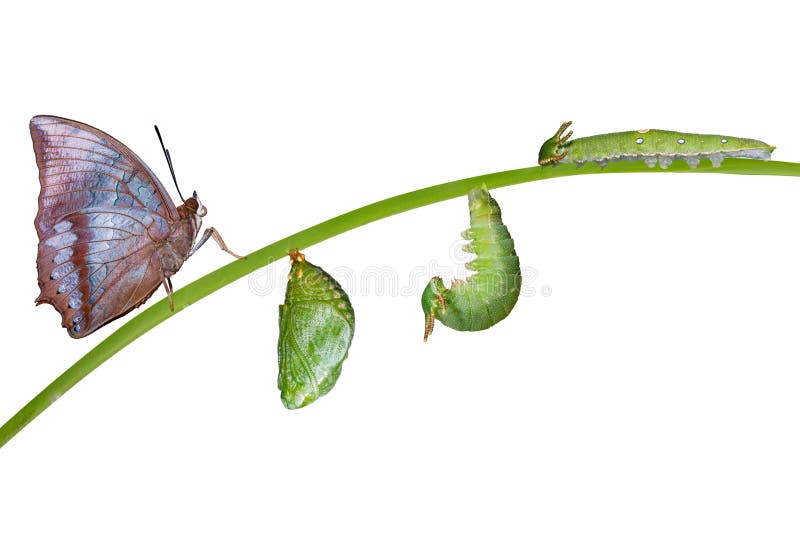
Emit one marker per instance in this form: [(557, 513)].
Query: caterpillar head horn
[(554, 149)]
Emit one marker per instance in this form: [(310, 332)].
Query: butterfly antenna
[(169, 162)]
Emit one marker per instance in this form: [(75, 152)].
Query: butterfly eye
[(192, 204), (201, 208), (316, 324)]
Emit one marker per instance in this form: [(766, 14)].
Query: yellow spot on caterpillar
[(643, 131), (340, 305)]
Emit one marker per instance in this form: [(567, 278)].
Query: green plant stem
[(223, 276)]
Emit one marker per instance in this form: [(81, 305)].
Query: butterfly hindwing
[(102, 213)]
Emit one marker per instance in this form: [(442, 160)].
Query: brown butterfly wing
[(102, 214)]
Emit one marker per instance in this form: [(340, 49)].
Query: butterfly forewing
[(102, 213)]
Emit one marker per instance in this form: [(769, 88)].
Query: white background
[(655, 389)]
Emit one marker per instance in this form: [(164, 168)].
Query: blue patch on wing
[(102, 213)]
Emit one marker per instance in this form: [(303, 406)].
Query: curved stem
[(223, 276)]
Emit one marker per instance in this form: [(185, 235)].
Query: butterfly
[(109, 234)]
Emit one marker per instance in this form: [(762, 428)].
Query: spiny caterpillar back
[(489, 295), (651, 146)]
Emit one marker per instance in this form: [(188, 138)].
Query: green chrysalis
[(488, 296), (661, 146), (316, 328)]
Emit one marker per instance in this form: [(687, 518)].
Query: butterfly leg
[(168, 286), (212, 232)]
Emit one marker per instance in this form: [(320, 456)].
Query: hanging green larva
[(316, 329), (652, 146), (486, 297)]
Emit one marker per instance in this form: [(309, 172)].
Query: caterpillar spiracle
[(489, 295), (651, 146)]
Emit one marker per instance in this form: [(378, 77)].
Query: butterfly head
[(195, 206)]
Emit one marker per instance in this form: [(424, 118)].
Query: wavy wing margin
[(102, 213)]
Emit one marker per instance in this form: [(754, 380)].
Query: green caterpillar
[(652, 146), (316, 325), (488, 296)]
